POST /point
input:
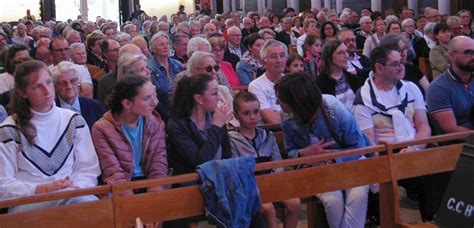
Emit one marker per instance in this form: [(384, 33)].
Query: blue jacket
[(342, 122), (246, 73), (230, 191)]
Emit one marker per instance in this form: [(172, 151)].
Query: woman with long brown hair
[(44, 148)]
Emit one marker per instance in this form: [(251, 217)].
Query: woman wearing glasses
[(333, 76), (206, 63), (218, 48)]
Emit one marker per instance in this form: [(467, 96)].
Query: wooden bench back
[(187, 201), (419, 163), (121, 211), (98, 213)]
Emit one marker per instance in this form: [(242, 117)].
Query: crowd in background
[(126, 102)]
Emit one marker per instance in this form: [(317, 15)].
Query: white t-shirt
[(262, 87), (383, 128)]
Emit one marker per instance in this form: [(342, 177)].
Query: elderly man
[(180, 44), (234, 46), (274, 54), (450, 97), (248, 27), (59, 48), (433, 15), (66, 84), (357, 63), (287, 35), (110, 49), (108, 81), (22, 37), (364, 31), (209, 29)]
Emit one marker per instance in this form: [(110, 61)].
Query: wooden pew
[(98, 213), (122, 211), (188, 202), (407, 165)]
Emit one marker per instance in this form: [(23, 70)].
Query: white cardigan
[(63, 148)]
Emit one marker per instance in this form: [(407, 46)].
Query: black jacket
[(327, 85), (187, 148), (285, 38)]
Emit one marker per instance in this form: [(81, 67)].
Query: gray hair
[(453, 19), (70, 33), (391, 18), (406, 21), (123, 36), (76, 46), (344, 14), (196, 59), (271, 43), (364, 19), (127, 27), (263, 31), (195, 42), (156, 36), (180, 26), (62, 68), (429, 28), (125, 64)]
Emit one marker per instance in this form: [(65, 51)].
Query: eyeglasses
[(397, 64), (349, 40), (210, 68), (468, 52), (114, 50), (74, 81), (212, 94)]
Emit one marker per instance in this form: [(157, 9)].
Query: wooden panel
[(159, 206), (91, 214), (429, 161), (306, 182)]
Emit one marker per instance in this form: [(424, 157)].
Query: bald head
[(130, 49), (459, 42)]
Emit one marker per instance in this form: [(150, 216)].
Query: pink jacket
[(115, 152)]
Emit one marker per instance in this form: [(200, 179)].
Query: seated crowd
[(90, 104)]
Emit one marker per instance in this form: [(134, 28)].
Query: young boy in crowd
[(249, 140)]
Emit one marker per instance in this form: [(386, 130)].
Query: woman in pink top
[(218, 48)]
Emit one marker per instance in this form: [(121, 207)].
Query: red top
[(229, 73)]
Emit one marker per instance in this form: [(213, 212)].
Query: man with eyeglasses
[(450, 97), (66, 84), (274, 54), (388, 108), (59, 48), (357, 64), (234, 46)]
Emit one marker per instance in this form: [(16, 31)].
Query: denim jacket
[(230, 191), (159, 73), (342, 121)]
